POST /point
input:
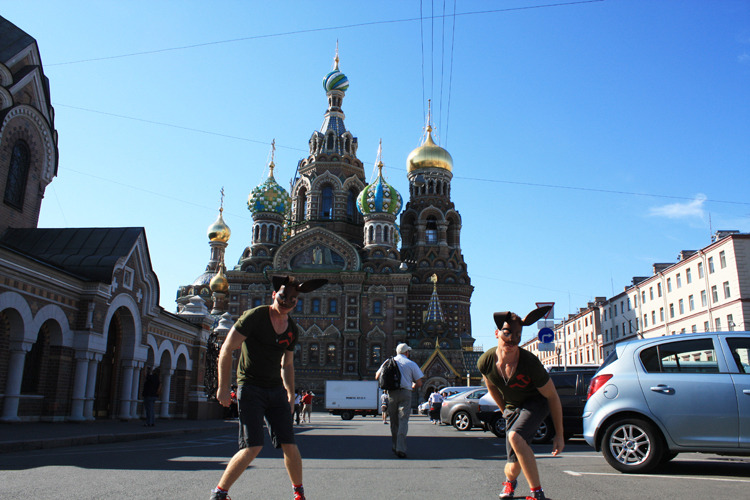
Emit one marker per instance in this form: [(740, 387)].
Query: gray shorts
[(524, 421), (257, 404)]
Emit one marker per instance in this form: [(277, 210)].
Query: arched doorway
[(105, 396)]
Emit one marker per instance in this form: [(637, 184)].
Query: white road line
[(656, 476)]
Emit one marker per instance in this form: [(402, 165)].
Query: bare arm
[(233, 341), (287, 375), (494, 393), (555, 409)]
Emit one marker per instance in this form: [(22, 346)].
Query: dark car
[(572, 386)]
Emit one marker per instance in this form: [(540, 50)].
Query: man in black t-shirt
[(266, 336), (521, 387)]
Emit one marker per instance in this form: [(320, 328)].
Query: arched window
[(329, 144), (351, 206), (370, 233), (375, 356), (431, 231), (377, 307), (302, 205), (326, 203), (314, 353), (270, 233), (18, 173), (257, 302), (331, 354), (32, 367)]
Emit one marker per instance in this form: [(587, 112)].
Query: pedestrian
[(522, 388), (384, 406), (151, 390), (297, 405), (399, 400), (436, 402), (266, 336), (307, 401)]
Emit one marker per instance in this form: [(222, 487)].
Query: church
[(395, 271)]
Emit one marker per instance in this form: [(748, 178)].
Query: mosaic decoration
[(269, 197), (379, 197)]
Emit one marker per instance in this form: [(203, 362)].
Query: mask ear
[(279, 281), (309, 286), (501, 318), (535, 315)]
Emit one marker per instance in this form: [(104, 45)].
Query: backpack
[(390, 375)]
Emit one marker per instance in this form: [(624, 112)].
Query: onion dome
[(336, 80), (219, 282), (219, 231), (269, 197), (379, 197), (429, 155)]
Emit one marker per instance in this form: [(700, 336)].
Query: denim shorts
[(524, 421), (257, 404)]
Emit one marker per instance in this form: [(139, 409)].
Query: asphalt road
[(352, 460)]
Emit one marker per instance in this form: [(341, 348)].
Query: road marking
[(655, 476)]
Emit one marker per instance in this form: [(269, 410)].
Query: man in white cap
[(399, 400)]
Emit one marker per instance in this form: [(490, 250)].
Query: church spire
[(434, 311)]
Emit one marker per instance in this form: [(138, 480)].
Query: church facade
[(390, 280)]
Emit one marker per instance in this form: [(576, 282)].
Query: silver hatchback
[(654, 398)]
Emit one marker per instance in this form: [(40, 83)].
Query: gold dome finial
[(219, 231), (434, 280), (271, 164), (336, 58)]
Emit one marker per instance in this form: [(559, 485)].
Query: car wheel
[(632, 445), (544, 432), (497, 426), (461, 421), (347, 415)]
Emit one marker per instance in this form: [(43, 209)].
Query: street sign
[(550, 314), (546, 347), (546, 336), (545, 323)]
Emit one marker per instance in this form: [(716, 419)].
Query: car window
[(740, 348), (686, 356), (565, 383), (477, 394), (611, 358)]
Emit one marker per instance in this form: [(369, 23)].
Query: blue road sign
[(546, 335)]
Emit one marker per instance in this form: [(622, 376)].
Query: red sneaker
[(509, 487)]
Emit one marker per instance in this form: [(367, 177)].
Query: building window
[(669, 285), (315, 306), (643, 297), (431, 231), (331, 354), (722, 259), (691, 303), (711, 265), (726, 290), (377, 307), (730, 322), (645, 321), (704, 302), (705, 326), (300, 305), (682, 306), (679, 281), (694, 328), (658, 289), (332, 306), (615, 310), (326, 203), (18, 173), (688, 276), (661, 313), (314, 354), (714, 294), (256, 302), (671, 310), (653, 317), (717, 323), (700, 269), (376, 355), (351, 205), (651, 293)]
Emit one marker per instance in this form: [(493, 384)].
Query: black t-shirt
[(263, 348), (530, 374)]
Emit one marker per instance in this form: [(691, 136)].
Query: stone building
[(79, 313), (332, 224)]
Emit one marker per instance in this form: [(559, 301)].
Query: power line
[(315, 30)]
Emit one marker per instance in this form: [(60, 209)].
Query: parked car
[(423, 408), (654, 398), (460, 410), (450, 391), (571, 386)]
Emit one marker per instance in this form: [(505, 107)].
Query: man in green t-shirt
[(266, 336), (521, 387)]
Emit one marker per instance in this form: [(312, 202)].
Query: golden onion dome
[(219, 231), (219, 283), (429, 155)]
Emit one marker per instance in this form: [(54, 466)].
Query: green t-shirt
[(530, 374), (263, 348)]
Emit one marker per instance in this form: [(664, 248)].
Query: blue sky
[(589, 140)]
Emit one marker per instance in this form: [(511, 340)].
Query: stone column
[(79, 385), (126, 389), (136, 385), (16, 361), (88, 405), (166, 384)]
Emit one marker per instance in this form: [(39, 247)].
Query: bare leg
[(237, 465), (526, 460), (293, 462)]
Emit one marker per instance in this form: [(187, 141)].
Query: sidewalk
[(36, 435)]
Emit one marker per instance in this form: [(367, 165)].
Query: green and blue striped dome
[(335, 80), (379, 197)]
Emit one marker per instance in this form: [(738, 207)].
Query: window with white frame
[(691, 302), (682, 306), (688, 276), (669, 285), (726, 290), (711, 265), (722, 259), (679, 280), (704, 301), (714, 294), (730, 322)]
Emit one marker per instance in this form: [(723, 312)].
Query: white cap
[(402, 348)]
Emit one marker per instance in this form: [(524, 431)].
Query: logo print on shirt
[(285, 339), (521, 382)]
